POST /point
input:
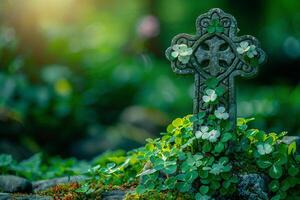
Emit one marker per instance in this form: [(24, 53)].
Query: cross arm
[(248, 67), (185, 42)]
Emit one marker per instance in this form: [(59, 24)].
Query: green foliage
[(37, 167), (205, 164)]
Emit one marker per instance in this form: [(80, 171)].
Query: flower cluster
[(182, 52), (246, 49), (205, 134), (210, 96)]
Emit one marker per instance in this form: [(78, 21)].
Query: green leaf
[(215, 185), (140, 189), (204, 189), (212, 82), (170, 183), (203, 174), (277, 197), (5, 160), (293, 171), (263, 163), (211, 29), (206, 147), (219, 29), (201, 115), (226, 184), (220, 91), (274, 185), (226, 137), (292, 148), (177, 122), (170, 169), (275, 171), (219, 147), (184, 186)]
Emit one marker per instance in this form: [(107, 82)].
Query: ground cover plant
[(206, 164)]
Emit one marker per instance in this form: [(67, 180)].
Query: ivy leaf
[(204, 189), (275, 171), (292, 148), (293, 171), (264, 163)]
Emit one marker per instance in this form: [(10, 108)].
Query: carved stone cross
[(215, 51)]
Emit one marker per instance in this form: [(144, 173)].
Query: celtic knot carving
[(215, 54)]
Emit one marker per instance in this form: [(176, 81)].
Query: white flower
[(250, 50), (210, 96), (264, 148), (221, 114), (182, 52), (243, 48), (203, 131), (213, 135)]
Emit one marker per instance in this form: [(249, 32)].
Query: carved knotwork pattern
[(215, 55)]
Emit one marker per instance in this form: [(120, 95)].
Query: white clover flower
[(182, 52), (221, 114), (250, 50), (210, 96), (213, 135), (203, 131), (264, 149), (243, 48)]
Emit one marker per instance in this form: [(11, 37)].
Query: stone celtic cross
[(215, 51)]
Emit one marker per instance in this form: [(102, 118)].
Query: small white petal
[(240, 50), (205, 136), (244, 44), (206, 99), (204, 128), (213, 97), (225, 116), (198, 134), (174, 54)]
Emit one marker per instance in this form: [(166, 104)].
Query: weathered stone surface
[(215, 55), (290, 139), (252, 187), (9, 196), (114, 195), (44, 184), (11, 183)]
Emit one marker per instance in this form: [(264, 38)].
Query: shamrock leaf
[(215, 27)]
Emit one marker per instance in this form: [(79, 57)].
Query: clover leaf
[(215, 27)]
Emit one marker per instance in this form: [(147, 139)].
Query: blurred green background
[(78, 78)]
